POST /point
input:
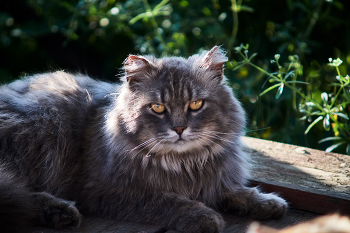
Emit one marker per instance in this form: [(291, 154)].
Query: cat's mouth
[(180, 141)]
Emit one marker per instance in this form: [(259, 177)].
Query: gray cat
[(163, 148)]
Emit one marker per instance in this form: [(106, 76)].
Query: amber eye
[(158, 108), (195, 105)]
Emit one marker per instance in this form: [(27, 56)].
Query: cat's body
[(162, 148)]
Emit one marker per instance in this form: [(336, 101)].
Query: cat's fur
[(100, 146)]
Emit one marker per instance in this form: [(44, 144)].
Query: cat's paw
[(269, 206), (61, 214), (203, 221)]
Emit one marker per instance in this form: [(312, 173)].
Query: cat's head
[(177, 105)]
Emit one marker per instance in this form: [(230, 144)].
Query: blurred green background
[(95, 36)]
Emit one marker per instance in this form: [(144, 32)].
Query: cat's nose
[(179, 130)]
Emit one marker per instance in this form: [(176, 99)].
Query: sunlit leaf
[(329, 139), (315, 112), (269, 89), (329, 149), (312, 124), (341, 115), (290, 73), (246, 8), (161, 4), (326, 123), (279, 91)]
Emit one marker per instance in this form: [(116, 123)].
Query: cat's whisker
[(254, 130), (204, 142), (217, 137), (148, 154), (216, 132), (202, 136), (235, 122), (144, 147), (142, 144)]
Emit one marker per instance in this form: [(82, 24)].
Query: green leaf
[(315, 112), (269, 89), (301, 82), (279, 91), (341, 115), (312, 124), (326, 123), (324, 97), (329, 139), (346, 94), (329, 149), (344, 104), (290, 73), (246, 8), (161, 4), (252, 56)]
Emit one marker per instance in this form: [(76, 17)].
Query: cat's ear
[(214, 60), (136, 68)]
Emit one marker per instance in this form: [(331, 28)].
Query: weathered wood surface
[(310, 180)]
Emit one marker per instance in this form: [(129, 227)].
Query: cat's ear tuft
[(136, 67), (213, 60)]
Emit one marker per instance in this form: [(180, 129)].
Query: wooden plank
[(308, 179), (308, 199), (235, 224)]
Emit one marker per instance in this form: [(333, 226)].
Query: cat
[(324, 224), (162, 148)]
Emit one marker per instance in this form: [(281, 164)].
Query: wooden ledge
[(308, 179)]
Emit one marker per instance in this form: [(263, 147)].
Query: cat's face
[(180, 105)]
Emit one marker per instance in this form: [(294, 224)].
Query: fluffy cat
[(325, 224), (162, 148)]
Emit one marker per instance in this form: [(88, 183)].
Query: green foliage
[(95, 36), (332, 106)]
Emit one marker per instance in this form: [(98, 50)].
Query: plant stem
[(232, 39), (313, 20)]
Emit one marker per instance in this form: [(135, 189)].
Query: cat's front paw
[(61, 214), (269, 206), (203, 221)]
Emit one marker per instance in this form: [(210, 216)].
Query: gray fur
[(101, 146)]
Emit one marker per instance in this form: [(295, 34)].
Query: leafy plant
[(332, 108), (95, 36)]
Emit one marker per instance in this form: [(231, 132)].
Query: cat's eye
[(195, 105), (158, 108)]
